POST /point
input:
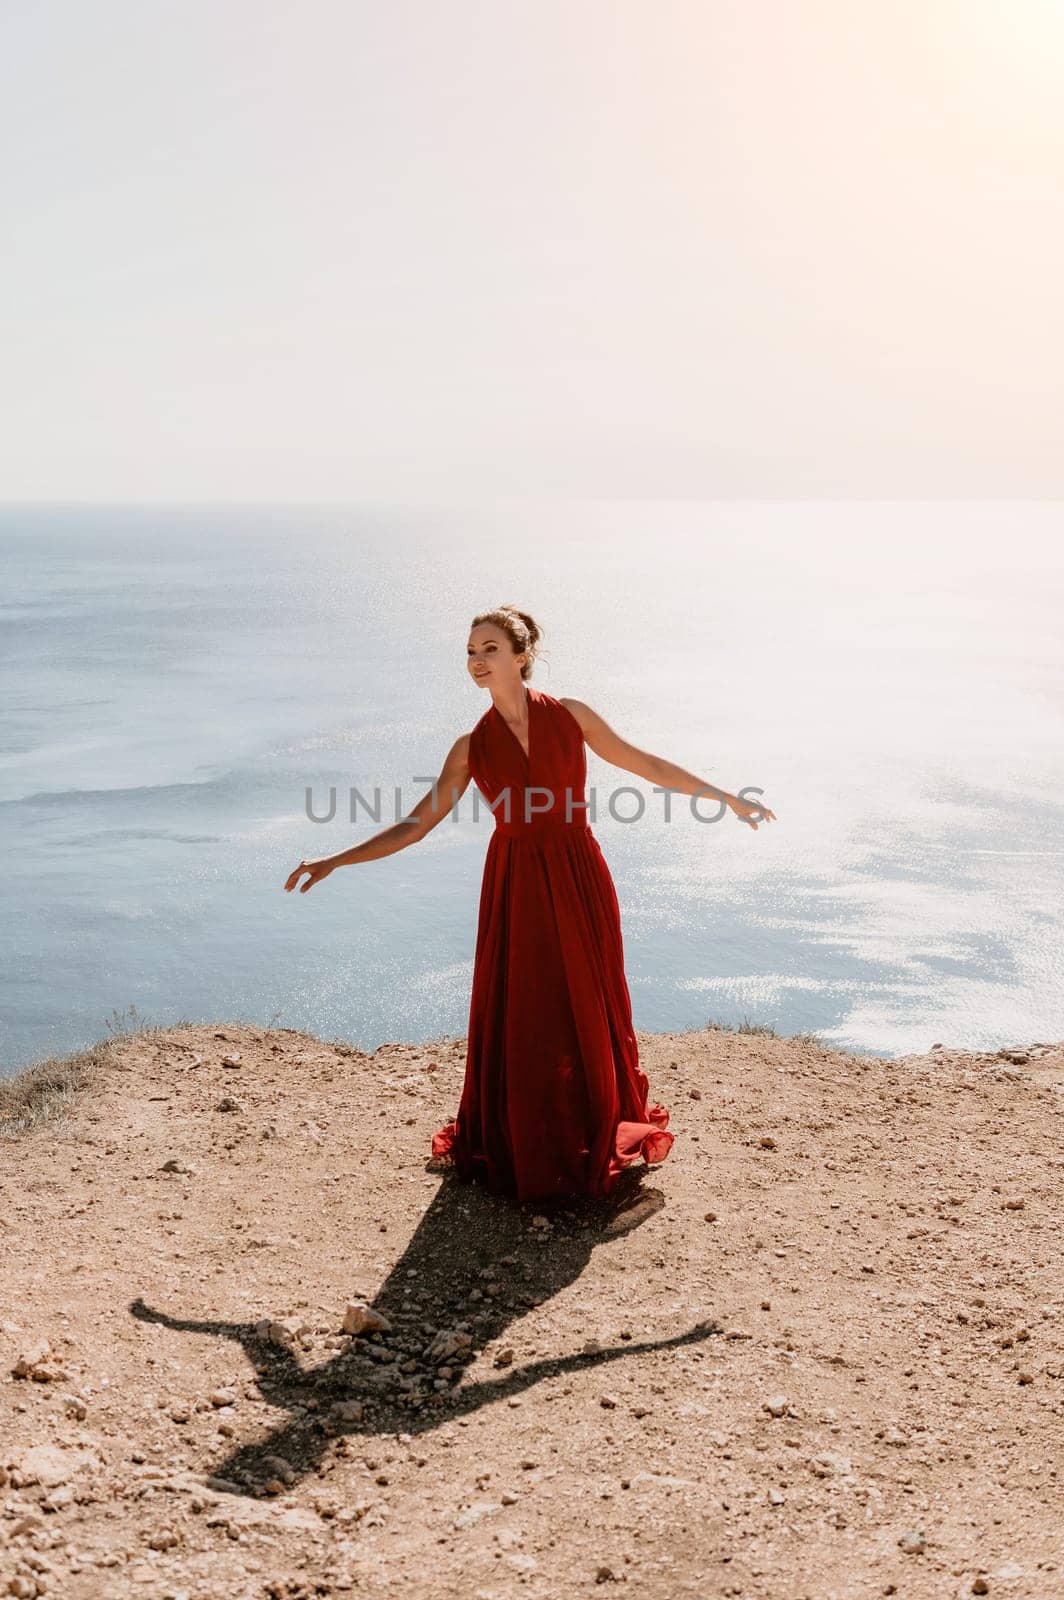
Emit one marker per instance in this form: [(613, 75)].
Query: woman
[(554, 1102)]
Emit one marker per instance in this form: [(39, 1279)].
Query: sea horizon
[(179, 677)]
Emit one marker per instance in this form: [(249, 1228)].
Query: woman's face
[(490, 657)]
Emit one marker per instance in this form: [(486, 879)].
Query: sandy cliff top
[(818, 1350)]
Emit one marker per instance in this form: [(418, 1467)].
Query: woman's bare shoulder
[(578, 709)]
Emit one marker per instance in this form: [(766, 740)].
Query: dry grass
[(746, 1026), (44, 1092)]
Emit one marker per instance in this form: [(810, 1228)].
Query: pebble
[(164, 1539), (280, 1468), (33, 1357), (233, 1060), (283, 1331), (776, 1406), (47, 1465), (447, 1342), (362, 1318), (346, 1410), (912, 1542)]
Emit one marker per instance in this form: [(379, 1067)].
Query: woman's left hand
[(749, 812)]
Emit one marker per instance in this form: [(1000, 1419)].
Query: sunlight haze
[(260, 251)]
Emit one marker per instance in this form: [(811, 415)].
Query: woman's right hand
[(316, 870)]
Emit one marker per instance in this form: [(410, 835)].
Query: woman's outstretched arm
[(429, 810), (608, 744)]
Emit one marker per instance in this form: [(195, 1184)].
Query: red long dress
[(554, 1101)]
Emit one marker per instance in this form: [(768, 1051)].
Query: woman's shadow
[(475, 1264)]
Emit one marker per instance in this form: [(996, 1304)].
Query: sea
[(195, 698)]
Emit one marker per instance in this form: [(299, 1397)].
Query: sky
[(434, 249)]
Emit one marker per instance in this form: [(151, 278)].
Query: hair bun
[(522, 630)]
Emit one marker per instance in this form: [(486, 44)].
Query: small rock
[(281, 1468), (35, 1355), (362, 1318), (767, 1142), (776, 1406), (1015, 1204), (227, 1103), (222, 1397), (504, 1358), (912, 1542), (285, 1332), (608, 1400), (46, 1465), (448, 1342), (232, 1060), (346, 1410)]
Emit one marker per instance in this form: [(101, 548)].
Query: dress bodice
[(546, 788)]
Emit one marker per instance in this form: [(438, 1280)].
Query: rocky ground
[(253, 1345)]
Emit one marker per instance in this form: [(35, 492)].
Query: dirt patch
[(252, 1345)]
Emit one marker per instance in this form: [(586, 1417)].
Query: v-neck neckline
[(527, 754)]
